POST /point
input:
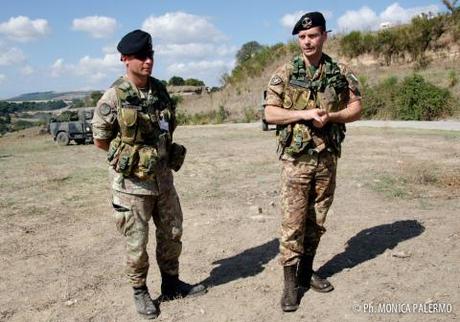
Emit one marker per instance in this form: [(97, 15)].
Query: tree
[(247, 51), (450, 5), (194, 82), (176, 81), (94, 97)]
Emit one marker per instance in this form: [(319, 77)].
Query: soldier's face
[(311, 41), (140, 65)]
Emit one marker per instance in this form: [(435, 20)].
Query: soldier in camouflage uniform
[(309, 98), (134, 122)]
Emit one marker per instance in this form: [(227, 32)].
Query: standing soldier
[(134, 121), (309, 98)]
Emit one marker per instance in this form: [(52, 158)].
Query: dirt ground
[(392, 241)]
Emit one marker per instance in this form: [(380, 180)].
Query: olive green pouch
[(148, 158), (127, 159), (300, 139)]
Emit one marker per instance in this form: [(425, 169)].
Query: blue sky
[(58, 45)]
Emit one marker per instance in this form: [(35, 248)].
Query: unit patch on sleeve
[(276, 80)]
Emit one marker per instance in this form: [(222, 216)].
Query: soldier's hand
[(315, 114), (324, 118)]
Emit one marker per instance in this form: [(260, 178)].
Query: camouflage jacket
[(294, 86), (106, 126)]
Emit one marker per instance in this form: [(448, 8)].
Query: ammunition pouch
[(113, 149), (127, 159), (176, 157), (301, 139), (132, 160), (148, 159), (336, 136), (128, 121)]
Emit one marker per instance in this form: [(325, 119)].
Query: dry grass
[(61, 257)]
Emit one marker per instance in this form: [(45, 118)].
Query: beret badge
[(306, 23)]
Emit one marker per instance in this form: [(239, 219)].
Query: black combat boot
[(144, 303), (289, 299), (306, 277), (173, 288)]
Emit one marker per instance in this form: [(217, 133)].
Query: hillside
[(437, 64), (50, 95)]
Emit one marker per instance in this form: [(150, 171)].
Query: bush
[(202, 118), (352, 44), (249, 114), (420, 100), (452, 78), (411, 99), (379, 101)]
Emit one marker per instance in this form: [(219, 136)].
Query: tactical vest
[(326, 89), (145, 129)]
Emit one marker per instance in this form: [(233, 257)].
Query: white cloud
[(190, 46), (396, 14), (367, 19), (194, 50), (89, 66), (289, 20), (24, 29), (2, 78), (58, 68), (206, 70), (96, 26), (11, 56), (94, 69), (27, 70), (362, 19), (182, 28)]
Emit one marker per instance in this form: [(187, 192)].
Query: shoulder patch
[(276, 80), (105, 109)]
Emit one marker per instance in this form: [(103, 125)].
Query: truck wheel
[(80, 141), (62, 138), (264, 126)]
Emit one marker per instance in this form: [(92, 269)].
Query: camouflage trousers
[(307, 192), (132, 215)]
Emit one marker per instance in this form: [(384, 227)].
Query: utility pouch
[(127, 159), (163, 146), (113, 149), (176, 158), (128, 124), (300, 139), (148, 158), (284, 133)]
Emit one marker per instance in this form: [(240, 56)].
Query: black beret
[(136, 41), (309, 20)]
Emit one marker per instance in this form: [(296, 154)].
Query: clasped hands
[(319, 117)]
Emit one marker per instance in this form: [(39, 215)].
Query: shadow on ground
[(371, 242), (248, 263)]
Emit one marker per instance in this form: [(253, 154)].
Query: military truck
[(72, 126)]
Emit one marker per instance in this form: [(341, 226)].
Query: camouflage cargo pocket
[(124, 218)]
